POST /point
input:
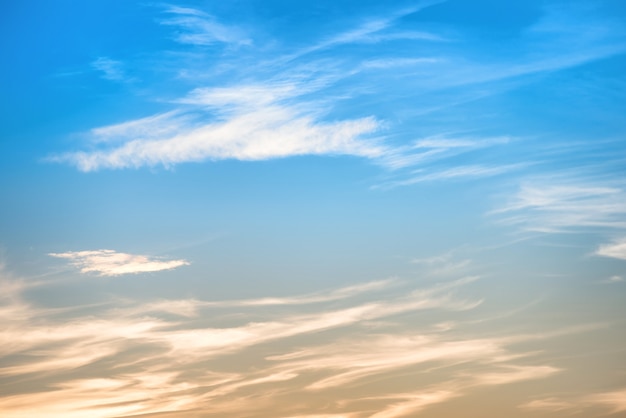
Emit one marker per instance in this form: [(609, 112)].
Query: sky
[(331, 209)]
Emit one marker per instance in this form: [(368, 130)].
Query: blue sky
[(340, 209)]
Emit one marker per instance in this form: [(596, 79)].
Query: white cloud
[(459, 172), (199, 28), (334, 295), (560, 205), (254, 122), (191, 307), (112, 263), (252, 125), (111, 69), (616, 249), (435, 148), (151, 127), (259, 122), (370, 31)]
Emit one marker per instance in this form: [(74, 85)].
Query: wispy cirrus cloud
[(113, 263), (260, 122), (439, 147), (253, 125), (414, 403), (147, 361), (615, 401), (458, 173), (561, 205), (111, 69), (371, 31), (611, 402), (192, 307), (199, 28), (268, 118)]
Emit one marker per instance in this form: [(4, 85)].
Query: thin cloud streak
[(370, 32), (111, 69), (192, 307), (556, 205), (414, 404), (612, 402), (113, 263), (199, 28), (457, 173)]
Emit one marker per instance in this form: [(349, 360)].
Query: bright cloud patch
[(112, 263), (614, 250), (252, 125)]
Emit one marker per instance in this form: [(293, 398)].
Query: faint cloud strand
[(199, 28), (558, 205), (613, 401), (111, 69)]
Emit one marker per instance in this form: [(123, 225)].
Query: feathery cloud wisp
[(559, 206), (111, 69), (113, 263), (199, 28), (253, 125)]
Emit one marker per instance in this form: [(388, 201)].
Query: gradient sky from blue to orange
[(340, 209)]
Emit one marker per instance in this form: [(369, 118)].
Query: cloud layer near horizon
[(158, 356)]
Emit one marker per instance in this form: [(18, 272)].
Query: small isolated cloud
[(513, 374), (413, 404), (112, 263), (614, 250), (111, 69)]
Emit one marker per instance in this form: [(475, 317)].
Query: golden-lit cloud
[(113, 263), (413, 404), (611, 402), (120, 361)]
